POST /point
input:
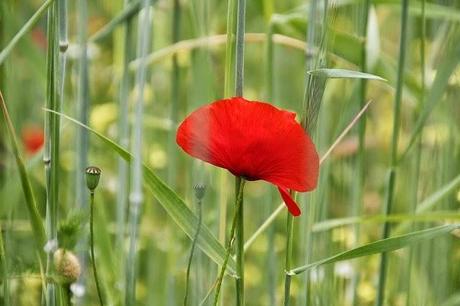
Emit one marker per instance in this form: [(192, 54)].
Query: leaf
[(171, 202), (381, 246), (343, 74)]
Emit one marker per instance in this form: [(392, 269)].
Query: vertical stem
[(288, 260), (359, 187), (4, 267), (93, 258), (190, 258), (238, 205), (239, 66), (229, 80), (51, 154), (136, 195), (174, 95), (239, 247), (123, 137), (394, 147), (239, 84), (82, 110), (418, 152), (271, 256)]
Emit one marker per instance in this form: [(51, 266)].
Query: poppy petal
[(254, 140), (290, 203)]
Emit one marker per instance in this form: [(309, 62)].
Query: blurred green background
[(181, 77)]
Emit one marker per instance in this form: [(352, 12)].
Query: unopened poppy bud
[(67, 266), (92, 177), (200, 190)]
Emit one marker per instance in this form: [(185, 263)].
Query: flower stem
[(238, 206), (190, 258), (239, 246), (394, 146), (93, 258), (288, 262)]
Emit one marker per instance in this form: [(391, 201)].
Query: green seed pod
[(200, 190), (93, 175), (67, 266)]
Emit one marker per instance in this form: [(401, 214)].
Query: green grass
[(394, 166)]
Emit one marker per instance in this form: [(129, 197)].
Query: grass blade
[(380, 246), (334, 73), (35, 218), (24, 30)]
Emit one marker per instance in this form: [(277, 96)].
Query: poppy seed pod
[(200, 190), (67, 266), (93, 175)]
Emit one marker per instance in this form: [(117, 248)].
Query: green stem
[(288, 261), (418, 152), (136, 194), (93, 258), (240, 29), (6, 290), (238, 206), (239, 84), (394, 147), (359, 187), (239, 247), (190, 258)]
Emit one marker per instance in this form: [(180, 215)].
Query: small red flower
[(253, 140), (32, 138)]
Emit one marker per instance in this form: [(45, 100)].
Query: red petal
[(252, 139), (290, 203)]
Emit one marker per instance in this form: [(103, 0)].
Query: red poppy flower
[(253, 140), (32, 138)]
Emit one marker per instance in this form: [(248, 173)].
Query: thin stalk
[(229, 81), (360, 162), (5, 281), (51, 153), (82, 106), (239, 248), (128, 12), (123, 138), (136, 196), (239, 84), (238, 205), (288, 259), (230, 48), (192, 250), (93, 258), (269, 89), (394, 147), (175, 89), (82, 137), (418, 152)]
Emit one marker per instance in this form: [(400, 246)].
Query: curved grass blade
[(34, 216), (171, 202), (24, 30), (380, 246), (334, 73)]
